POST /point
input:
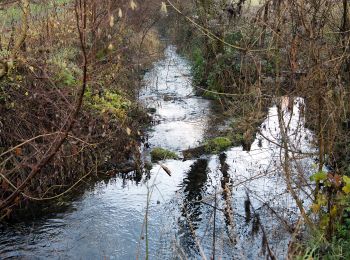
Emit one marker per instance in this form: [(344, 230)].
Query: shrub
[(108, 101), (198, 67), (217, 144)]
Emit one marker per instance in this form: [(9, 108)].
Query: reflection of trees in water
[(214, 121), (194, 188), (226, 185)]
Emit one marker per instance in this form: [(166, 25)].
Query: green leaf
[(346, 188), (315, 207), (322, 199), (324, 221), (319, 176), (346, 179)]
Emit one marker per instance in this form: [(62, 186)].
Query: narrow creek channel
[(232, 205)]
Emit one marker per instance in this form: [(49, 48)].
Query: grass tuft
[(159, 154), (217, 144)]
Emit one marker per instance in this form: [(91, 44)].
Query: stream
[(231, 205)]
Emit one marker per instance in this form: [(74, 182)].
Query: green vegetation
[(330, 238), (70, 72), (318, 246), (198, 66), (217, 144), (236, 138), (108, 102), (251, 53), (63, 61), (214, 74), (60, 99), (159, 154), (14, 12)]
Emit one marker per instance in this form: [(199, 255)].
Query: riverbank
[(41, 91), (246, 56)]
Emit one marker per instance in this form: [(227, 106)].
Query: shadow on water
[(194, 189)]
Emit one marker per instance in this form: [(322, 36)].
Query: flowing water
[(232, 205)]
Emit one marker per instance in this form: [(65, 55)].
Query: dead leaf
[(133, 5), (18, 151), (4, 185), (336, 179), (111, 21), (163, 8)]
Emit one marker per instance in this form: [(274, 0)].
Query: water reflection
[(226, 186), (194, 189)]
